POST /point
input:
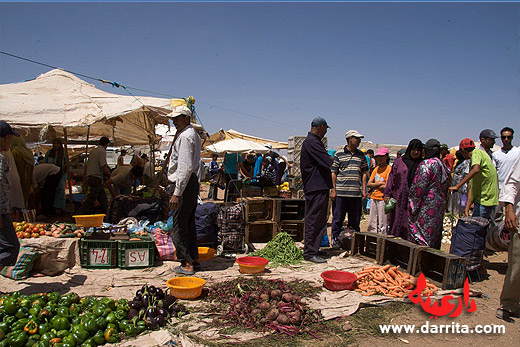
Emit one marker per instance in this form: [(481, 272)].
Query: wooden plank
[(260, 232), (368, 244), (296, 229)]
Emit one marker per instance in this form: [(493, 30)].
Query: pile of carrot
[(389, 281)]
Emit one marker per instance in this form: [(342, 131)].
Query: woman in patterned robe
[(427, 198)]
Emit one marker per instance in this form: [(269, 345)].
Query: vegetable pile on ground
[(153, 307), (281, 250), (389, 281), (259, 304), (51, 319)]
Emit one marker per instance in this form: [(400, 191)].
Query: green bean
[(281, 251)]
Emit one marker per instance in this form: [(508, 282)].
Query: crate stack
[(294, 147), (261, 219), (124, 254)]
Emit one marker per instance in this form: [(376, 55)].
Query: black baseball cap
[(5, 129), (488, 133), (318, 122)]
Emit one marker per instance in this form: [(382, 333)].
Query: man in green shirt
[(484, 181)]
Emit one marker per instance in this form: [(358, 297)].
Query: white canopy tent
[(41, 108), (237, 146)]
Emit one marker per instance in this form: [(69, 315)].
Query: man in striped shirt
[(349, 177), (182, 173)]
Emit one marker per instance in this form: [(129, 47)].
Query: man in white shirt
[(503, 159), (510, 199), (182, 174)]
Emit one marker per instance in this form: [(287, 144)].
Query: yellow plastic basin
[(206, 253), (185, 287), (89, 220)]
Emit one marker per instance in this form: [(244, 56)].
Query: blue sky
[(393, 71)]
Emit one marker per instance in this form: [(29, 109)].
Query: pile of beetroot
[(260, 304)]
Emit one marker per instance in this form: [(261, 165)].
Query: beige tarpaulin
[(233, 134), (42, 107)]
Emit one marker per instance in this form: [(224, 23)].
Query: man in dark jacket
[(315, 166)]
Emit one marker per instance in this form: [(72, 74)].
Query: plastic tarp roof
[(237, 146), (233, 134), (42, 107)]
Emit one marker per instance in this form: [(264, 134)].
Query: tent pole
[(165, 165), (86, 155), (152, 159), (67, 163)]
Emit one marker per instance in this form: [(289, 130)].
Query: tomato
[(20, 235), (42, 232), (35, 235), (26, 235)]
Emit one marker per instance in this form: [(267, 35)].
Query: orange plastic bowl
[(252, 265), (206, 253), (338, 280), (185, 287)]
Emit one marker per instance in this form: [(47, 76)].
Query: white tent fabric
[(40, 108), (222, 135), (237, 146)]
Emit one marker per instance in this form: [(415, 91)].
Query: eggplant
[(145, 299), (144, 288), (159, 303), (152, 290), (162, 312), (139, 293), (169, 300), (151, 323), (136, 304), (132, 313), (151, 312), (159, 294), (160, 320)]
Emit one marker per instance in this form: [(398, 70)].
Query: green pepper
[(4, 343), (111, 304), (25, 302), (35, 309), (111, 335), (16, 294), (80, 335), (123, 323), (65, 345), (75, 309), (33, 339), (53, 297), (47, 336), (141, 326), (63, 311), (111, 318), (62, 333), (120, 315), (76, 320), (44, 313), (10, 306), (4, 326), (69, 339), (99, 337), (19, 324), (90, 325), (22, 313), (60, 323), (101, 323), (17, 338), (31, 328), (44, 328), (111, 325), (42, 344), (9, 319), (130, 330), (39, 301), (122, 305), (89, 343), (98, 311)]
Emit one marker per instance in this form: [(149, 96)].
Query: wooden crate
[(368, 244), (260, 231), (447, 270), (259, 209), (295, 229), (399, 252)]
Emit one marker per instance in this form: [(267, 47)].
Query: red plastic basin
[(252, 261), (338, 280)]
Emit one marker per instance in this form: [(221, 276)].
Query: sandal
[(505, 314), (181, 271)]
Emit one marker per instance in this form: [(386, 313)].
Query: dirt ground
[(363, 331)]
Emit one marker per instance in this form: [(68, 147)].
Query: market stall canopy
[(236, 146), (42, 107), (233, 134)]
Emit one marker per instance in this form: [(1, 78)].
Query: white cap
[(353, 133), (268, 145), (180, 111)]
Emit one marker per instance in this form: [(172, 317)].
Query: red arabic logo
[(445, 308)]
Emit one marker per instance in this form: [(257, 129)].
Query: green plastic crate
[(136, 254), (98, 254)]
